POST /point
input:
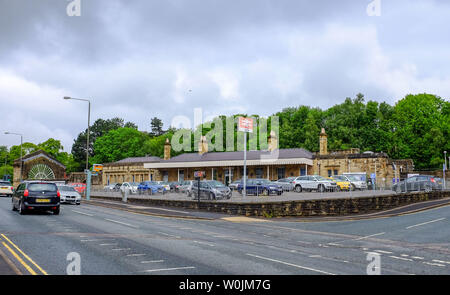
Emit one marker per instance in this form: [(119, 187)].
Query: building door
[(180, 175), (281, 171), (228, 176), (165, 176)]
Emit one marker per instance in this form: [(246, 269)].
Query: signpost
[(198, 175), (88, 184), (245, 125)]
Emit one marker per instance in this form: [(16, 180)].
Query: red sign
[(245, 124)]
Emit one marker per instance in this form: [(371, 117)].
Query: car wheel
[(428, 189), (13, 207), (321, 188), (265, 192), (298, 189), (211, 196), (22, 210), (353, 188), (398, 190)]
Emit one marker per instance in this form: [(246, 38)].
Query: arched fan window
[(41, 171)]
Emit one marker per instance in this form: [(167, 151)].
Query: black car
[(36, 196)]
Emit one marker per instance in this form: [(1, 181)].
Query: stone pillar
[(203, 146), (167, 149), (323, 142)]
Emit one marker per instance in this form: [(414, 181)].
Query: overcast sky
[(140, 59)]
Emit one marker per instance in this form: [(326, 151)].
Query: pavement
[(120, 241)]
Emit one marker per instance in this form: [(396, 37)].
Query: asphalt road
[(112, 241)]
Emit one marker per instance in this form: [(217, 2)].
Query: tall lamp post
[(445, 167), (21, 153), (88, 172)]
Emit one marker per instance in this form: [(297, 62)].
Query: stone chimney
[(273, 141), (323, 142), (167, 148), (202, 145)]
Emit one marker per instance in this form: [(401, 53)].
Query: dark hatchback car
[(36, 196), (418, 183)]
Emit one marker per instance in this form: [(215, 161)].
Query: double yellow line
[(10, 246)]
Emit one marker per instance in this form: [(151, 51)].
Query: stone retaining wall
[(304, 208)]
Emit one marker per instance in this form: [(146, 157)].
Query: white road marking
[(203, 243), (433, 264), (401, 258), (334, 244), (82, 213), (366, 237), (383, 252), (136, 255), (122, 223), (291, 264), (441, 261), (112, 244), (123, 249), (152, 261), (432, 221), (417, 257), (404, 255), (96, 240), (168, 269), (172, 236)]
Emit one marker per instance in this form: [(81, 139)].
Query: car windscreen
[(353, 178), (216, 184), (42, 187), (67, 189), (3, 183), (321, 178)]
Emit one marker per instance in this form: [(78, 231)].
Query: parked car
[(165, 184), (186, 186), (357, 179), (175, 186), (150, 186), (342, 183), (286, 183), (260, 186), (6, 189), (69, 195), (210, 190), (36, 196), (79, 187), (417, 183), (112, 187), (132, 187), (233, 185), (314, 182)]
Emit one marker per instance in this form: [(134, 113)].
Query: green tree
[(157, 127), (119, 144)]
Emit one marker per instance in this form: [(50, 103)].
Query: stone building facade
[(272, 164), (39, 165)]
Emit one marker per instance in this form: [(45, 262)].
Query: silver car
[(186, 186), (69, 195), (286, 183), (314, 182), (234, 185), (210, 190)]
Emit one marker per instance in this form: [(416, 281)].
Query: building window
[(133, 178), (180, 175), (242, 171), (259, 172), (336, 172), (281, 172), (302, 171), (214, 173), (330, 172), (165, 176)]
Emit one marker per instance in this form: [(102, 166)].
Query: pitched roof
[(232, 156), (135, 160), (38, 154)]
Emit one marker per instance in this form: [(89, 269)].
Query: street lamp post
[(21, 153), (89, 124), (88, 172), (445, 167)]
